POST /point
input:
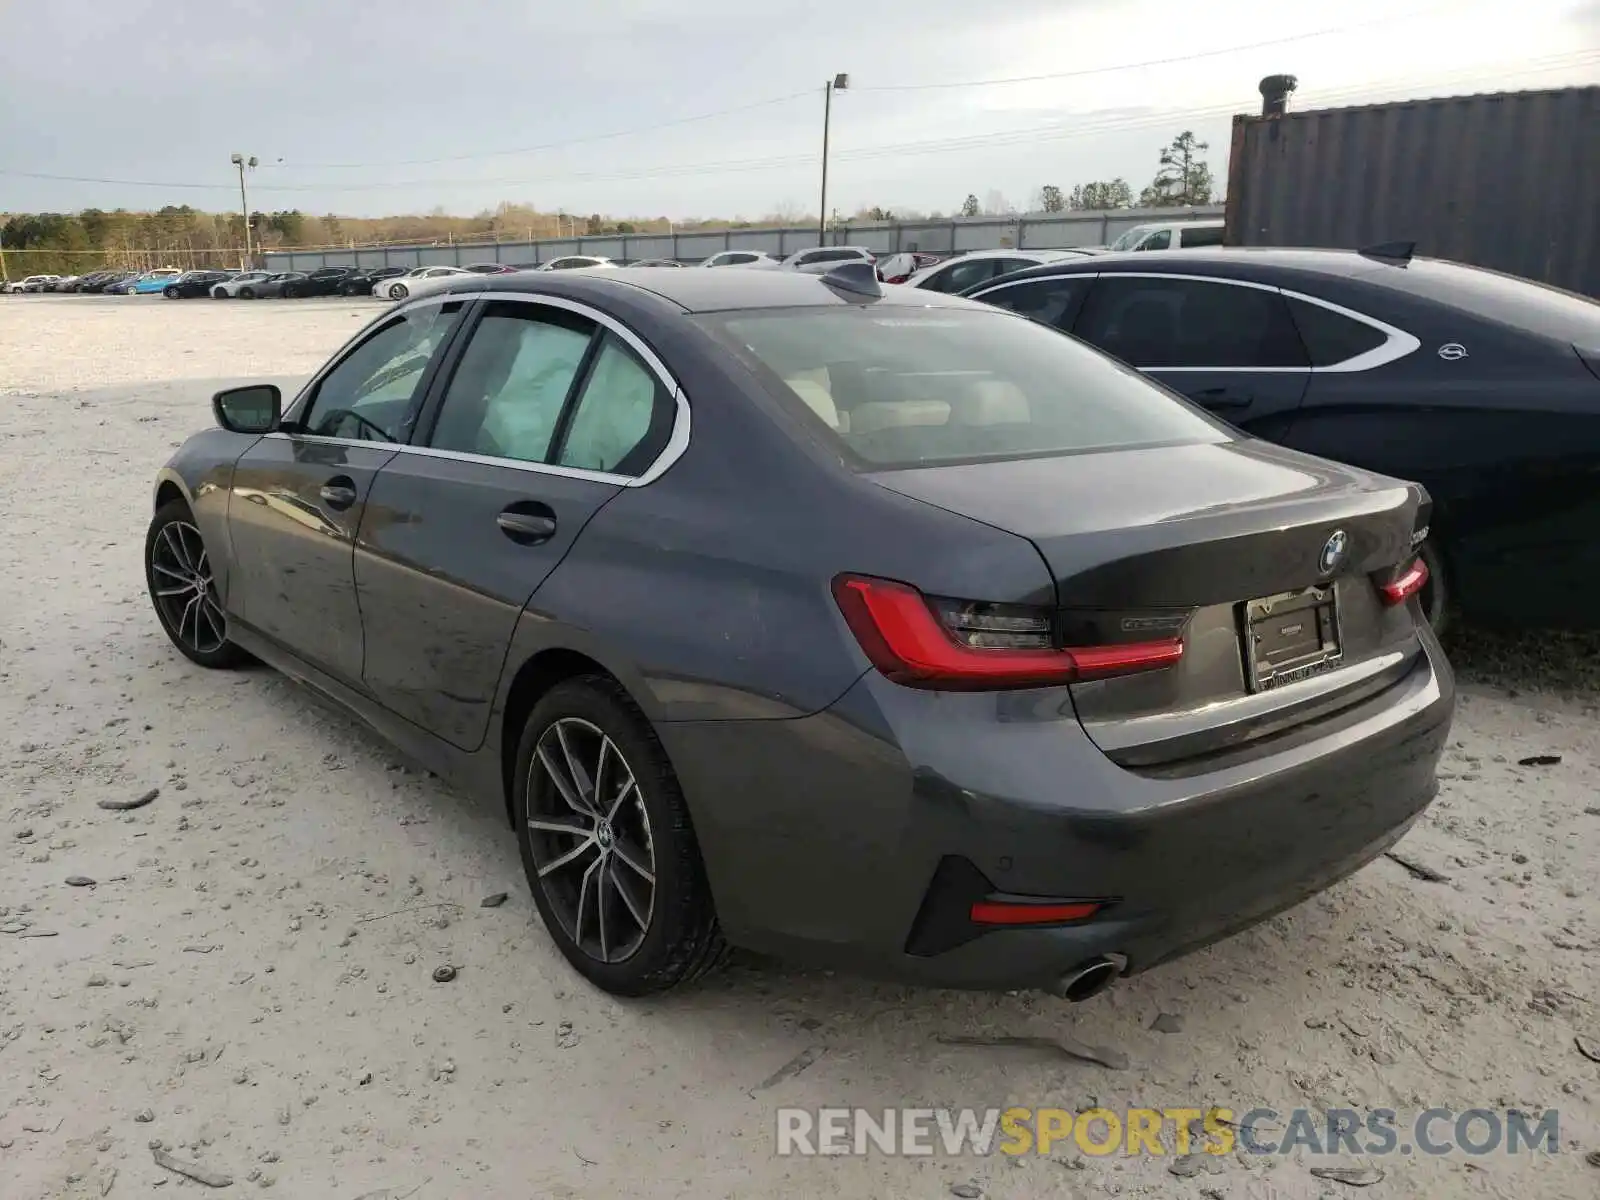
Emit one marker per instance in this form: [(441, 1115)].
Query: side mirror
[(256, 408)]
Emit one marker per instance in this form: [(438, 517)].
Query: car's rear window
[(904, 387), (1507, 299)]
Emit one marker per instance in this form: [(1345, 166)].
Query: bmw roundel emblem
[(1333, 552)]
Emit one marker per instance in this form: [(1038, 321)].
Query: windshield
[(902, 387), (1131, 238)]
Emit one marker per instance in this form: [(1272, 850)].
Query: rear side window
[(1053, 302), (964, 275), (1200, 235), (1168, 322), (906, 387), (624, 415), (1331, 338)]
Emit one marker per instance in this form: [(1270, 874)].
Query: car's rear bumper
[(824, 835)]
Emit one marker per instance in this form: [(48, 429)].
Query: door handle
[(527, 525), (1224, 397), (339, 493)]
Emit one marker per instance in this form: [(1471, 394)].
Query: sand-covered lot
[(248, 983)]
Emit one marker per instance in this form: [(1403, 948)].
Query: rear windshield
[(907, 387), (1506, 299)]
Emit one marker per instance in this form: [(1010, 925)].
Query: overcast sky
[(386, 106)]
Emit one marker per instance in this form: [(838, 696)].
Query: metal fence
[(1509, 181), (1040, 231)]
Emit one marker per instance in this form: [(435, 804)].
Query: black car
[(936, 644), (1483, 387), (194, 283), (359, 283), (324, 281), (100, 280)]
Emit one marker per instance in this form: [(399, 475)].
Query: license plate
[(1290, 637)]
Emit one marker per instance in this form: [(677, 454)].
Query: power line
[(1063, 130), (1154, 62)]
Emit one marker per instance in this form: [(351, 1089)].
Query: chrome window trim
[(677, 441), (1397, 345)]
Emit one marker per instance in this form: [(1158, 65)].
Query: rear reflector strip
[(1408, 584), (1008, 912), (903, 637)]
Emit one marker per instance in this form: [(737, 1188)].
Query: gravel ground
[(249, 985)]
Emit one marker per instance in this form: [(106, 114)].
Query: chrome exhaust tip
[(1091, 978)]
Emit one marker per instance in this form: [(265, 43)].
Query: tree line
[(182, 236)]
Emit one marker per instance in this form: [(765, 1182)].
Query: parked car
[(192, 284), (63, 283), (87, 282), (147, 283), (104, 281), (418, 282), (324, 281), (576, 262), (490, 268), (233, 288), (957, 274), (1170, 235), (740, 258), (359, 283), (36, 283), (898, 268), (270, 288), (655, 262), (1483, 387), (825, 258), (1041, 682)]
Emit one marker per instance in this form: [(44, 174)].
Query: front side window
[(1161, 239), (967, 274), (368, 394), (624, 416), (1168, 322), (506, 396), (904, 387)]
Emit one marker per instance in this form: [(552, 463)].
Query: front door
[(1231, 347), (299, 495), (548, 414)]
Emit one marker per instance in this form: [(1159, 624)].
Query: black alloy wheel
[(607, 844), (183, 588), (172, 293)]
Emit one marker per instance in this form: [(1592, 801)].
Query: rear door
[(550, 409), (1228, 345)]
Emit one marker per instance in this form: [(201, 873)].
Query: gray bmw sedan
[(863, 625)]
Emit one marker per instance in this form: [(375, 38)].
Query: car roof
[(704, 291), (1243, 262)]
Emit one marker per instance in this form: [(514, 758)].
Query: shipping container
[(1509, 181)]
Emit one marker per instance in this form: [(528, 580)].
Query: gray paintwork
[(825, 797)]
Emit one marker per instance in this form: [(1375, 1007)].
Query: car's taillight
[(1406, 584), (975, 646)]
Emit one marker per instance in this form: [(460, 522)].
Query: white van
[(1170, 235)]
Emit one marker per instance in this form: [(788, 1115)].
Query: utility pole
[(242, 162), (838, 83)]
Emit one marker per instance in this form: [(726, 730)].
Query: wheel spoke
[(173, 534), (620, 886), (562, 786), (600, 770), (628, 859), (600, 878), (186, 589), (168, 571), (214, 618), (580, 778), (552, 826), (572, 855), (621, 796), (583, 897), (193, 606)]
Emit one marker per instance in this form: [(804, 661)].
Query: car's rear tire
[(247, 293), (1435, 597), (614, 867), (182, 589)]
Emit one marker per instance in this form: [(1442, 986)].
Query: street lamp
[(839, 83), (242, 162)]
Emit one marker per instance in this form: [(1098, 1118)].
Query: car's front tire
[(398, 291), (178, 573), (171, 293), (247, 293), (607, 844)]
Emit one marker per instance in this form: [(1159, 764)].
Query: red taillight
[(1019, 912), (975, 647), (1407, 584)]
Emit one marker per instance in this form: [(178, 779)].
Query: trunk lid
[(1267, 560)]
